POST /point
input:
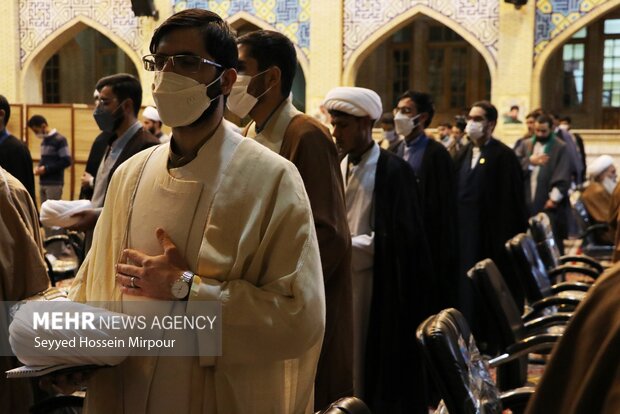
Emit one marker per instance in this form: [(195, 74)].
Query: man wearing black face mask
[(116, 114), (547, 168)]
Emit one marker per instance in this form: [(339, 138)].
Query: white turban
[(151, 113), (354, 101), (599, 165)]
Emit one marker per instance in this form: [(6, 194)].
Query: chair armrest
[(582, 259), (516, 400), (543, 342), (564, 286), (560, 270), (539, 306), (52, 239), (547, 321)]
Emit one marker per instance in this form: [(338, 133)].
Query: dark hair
[(490, 111), (123, 86), (36, 121), (445, 124), (460, 122), (566, 118), (271, 48), (4, 105), (217, 37), (423, 103), (387, 118), (512, 107), (535, 113), (545, 119), (334, 113)]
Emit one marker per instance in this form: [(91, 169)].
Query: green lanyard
[(547, 146)]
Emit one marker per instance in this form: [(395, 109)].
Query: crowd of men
[(326, 248)]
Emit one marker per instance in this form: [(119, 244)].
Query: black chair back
[(529, 267), (504, 314), (460, 373), (541, 232)]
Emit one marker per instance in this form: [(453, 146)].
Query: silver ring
[(133, 285)]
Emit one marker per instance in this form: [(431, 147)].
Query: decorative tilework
[(362, 18), (291, 17), (554, 16), (38, 19)]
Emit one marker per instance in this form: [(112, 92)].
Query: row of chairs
[(457, 367)]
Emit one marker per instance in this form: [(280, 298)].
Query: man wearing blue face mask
[(434, 170), (116, 111), (267, 63)]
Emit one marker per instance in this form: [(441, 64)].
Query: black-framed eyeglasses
[(180, 63)]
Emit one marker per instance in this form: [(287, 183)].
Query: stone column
[(326, 47), (513, 81), (9, 32)]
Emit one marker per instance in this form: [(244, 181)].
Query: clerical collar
[(259, 128), (356, 159), (176, 161)]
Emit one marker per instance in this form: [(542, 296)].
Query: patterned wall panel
[(38, 19), (291, 17), (362, 18), (554, 16)]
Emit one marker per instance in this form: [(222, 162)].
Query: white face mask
[(180, 100), (564, 127), (404, 124), (40, 135), (609, 184), (390, 136), (240, 102), (475, 130)]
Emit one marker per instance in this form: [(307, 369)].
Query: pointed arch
[(32, 88), (242, 17), (365, 48), (558, 42)]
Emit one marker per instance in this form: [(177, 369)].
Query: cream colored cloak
[(251, 238)]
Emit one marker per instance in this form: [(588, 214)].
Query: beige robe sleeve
[(22, 268), (274, 309)]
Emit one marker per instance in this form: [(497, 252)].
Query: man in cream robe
[(305, 142), (237, 214), (259, 258), (22, 274)]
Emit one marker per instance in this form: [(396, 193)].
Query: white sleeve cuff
[(555, 195)]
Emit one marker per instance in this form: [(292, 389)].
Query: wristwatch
[(181, 286)]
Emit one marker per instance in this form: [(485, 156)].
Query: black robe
[(491, 210), (437, 183), (15, 158), (394, 377)]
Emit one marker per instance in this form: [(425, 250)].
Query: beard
[(213, 90)]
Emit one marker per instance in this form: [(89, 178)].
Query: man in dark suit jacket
[(491, 203), (434, 169), (14, 154), (120, 97)]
